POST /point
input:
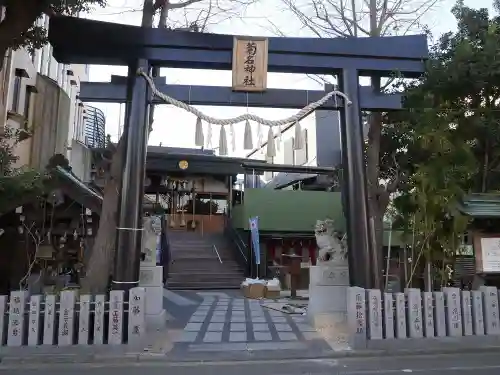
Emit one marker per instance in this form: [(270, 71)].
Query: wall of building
[(286, 152), (277, 213), (50, 122), (322, 144), (81, 159), (18, 100)]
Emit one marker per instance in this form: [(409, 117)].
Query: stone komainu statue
[(331, 243)]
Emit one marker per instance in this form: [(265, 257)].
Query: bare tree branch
[(352, 18), (342, 18)]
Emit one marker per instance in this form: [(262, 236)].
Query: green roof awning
[(480, 206)]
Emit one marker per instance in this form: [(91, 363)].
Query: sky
[(175, 127)]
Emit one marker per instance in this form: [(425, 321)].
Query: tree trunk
[(99, 265), (377, 200)]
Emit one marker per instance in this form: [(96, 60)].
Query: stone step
[(229, 282), (200, 268), (207, 250), (189, 272), (209, 258), (195, 264), (193, 244), (173, 267), (205, 274), (194, 285)]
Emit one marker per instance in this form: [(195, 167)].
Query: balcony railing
[(95, 125)]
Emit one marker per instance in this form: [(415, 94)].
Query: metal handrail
[(216, 252), (238, 237)]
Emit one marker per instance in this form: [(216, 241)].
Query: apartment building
[(321, 144), (40, 97)]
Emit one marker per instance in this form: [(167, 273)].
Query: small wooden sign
[(250, 64)]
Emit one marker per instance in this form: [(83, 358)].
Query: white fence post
[(115, 318), (374, 302), (428, 313), (415, 329), (84, 320), (453, 312), (99, 306), (34, 321), (439, 314), (466, 313), (49, 320), (66, 318), (401, 327), (356, 314), (136, 314), (16, 318), (388, 316), (490, 309), (477, 313)]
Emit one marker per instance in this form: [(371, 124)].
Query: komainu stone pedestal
[(151, 276), (328, 301)]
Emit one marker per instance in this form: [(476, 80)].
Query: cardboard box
[(273, 293), (254, 291)]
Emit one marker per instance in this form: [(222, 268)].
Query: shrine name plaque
[(250, 64)]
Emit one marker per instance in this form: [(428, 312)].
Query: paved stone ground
[(226, 326), (237, 320)]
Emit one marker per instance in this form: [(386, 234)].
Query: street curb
[(161, 357)]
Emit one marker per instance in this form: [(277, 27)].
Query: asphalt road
[(463, 364)]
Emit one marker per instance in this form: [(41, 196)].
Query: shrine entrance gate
[(83, 41)]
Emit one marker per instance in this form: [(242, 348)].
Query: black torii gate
[(82, 41)]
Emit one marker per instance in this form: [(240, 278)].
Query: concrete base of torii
[(151, 276), (327, 311)]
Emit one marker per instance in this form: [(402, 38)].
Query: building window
[(16, 94), (27, 102)]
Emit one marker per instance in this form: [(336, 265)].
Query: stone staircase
[(195, 264)]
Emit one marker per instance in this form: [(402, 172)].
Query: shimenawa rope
[(245, 117)]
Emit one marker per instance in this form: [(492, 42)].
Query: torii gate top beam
[(116, 44)]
